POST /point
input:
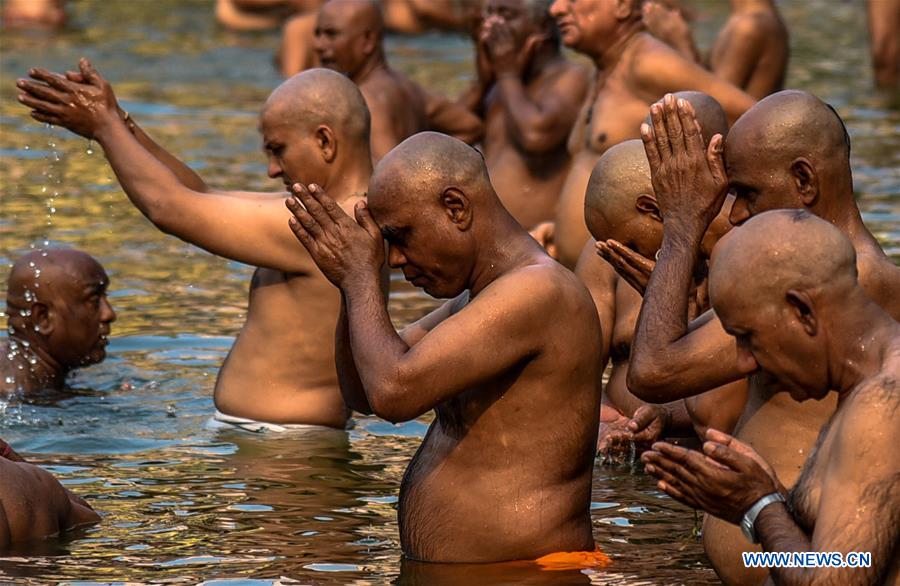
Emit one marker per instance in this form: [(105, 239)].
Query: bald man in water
[(315, 127), (830, 336), (751, 51), (529, 95), (633, 70), (620, 205), (504, 472), (789, 151), (58, 320)]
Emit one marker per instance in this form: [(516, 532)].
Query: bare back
[(752, 52), (512, 457)]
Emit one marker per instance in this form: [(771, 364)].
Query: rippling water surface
[(182, 503)]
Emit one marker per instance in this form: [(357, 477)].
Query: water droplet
[(10, 380), (52, 210), (27, 148)]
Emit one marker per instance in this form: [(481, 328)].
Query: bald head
[(424, 165), (792, 124), (358, 16), (43, 275), (776, 252), (618, 178), (709, 112), (321, 97)]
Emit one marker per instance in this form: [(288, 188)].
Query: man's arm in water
[(664, 71), (668, 360), (237, 225), (402, 382), (859, 506)]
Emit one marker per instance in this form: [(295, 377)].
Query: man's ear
[(647, 204), (802, 306), (806, 181), (458, 207), (42, 318), (370, 42), (625, 8), (327, 143)]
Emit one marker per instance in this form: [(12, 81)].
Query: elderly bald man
[(504, 472), (58, 319), (830, 336), (789, 151), (315, 127)]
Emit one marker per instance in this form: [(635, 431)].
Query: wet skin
[(671, 358), (503, 473), (633, 70), (884, 40), (281, 367), (529, 95), (830, 336), (348, 39), (59, 320)]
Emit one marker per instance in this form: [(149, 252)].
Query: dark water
[(185, 504)]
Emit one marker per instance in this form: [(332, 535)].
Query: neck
[(373, 63), (44, 371), (507, 247), (865, 341), (350, 179), (844, 214), (606, 57)]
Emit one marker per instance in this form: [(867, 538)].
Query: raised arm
[(668, 360), (401, 381), (538, 125), (243, 228)]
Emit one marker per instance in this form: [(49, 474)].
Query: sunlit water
[(182, 503)]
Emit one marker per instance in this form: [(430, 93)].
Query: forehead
[(336, 15)]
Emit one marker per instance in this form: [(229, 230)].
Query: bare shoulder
[(547, 290), (880, 277), (652, 59), (872, 412)]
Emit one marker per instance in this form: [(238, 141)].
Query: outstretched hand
[(689, 180), (345, 250), (724, 480), (81, 101), (617, 437)]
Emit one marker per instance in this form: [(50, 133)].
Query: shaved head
[(321, 97), (710, 114), (791, 249), (425, 164), (41, 275), (357, 15)]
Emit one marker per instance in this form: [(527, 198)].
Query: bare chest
[(615, 114)]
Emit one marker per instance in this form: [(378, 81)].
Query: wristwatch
[(749, 518)]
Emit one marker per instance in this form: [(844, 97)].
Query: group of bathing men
[(759, 340)]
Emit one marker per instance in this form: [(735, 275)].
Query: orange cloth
[(573, 560)]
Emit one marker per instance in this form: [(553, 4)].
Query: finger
[(633, 258), (673, 124), (41, 91), (727, 456), (313, 208), (36, 104), (302, 235), (330, 206), (650, 147), (693, 140), (75, 77), (52, 79), (715, 158), (364, 219), (87, 70), (41, 116), (678, 495), (714, 435), (660, 134), (307, 221)]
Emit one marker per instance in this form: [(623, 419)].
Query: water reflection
[(184, 504)]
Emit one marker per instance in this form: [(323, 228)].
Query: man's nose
[(396, 259), (108, 314), (556, 9), (740, 213), (746, 362), (274, 169)]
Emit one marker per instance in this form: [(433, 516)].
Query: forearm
[(524, 118), (777, 531), (377, 348), (146, 180), (185, 174), (473, 98), (348, 377)]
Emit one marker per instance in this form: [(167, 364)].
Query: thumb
[(725, 455), (364, 219), (87, 70), (714, 158)]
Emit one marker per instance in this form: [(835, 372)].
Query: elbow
[(387, 403), (538, 142), (645, 381), (159, 215)]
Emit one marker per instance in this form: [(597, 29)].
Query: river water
[(184, 504)]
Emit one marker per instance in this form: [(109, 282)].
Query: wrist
[(684, 240), (107, 125), (360, 281), (751, 515)]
